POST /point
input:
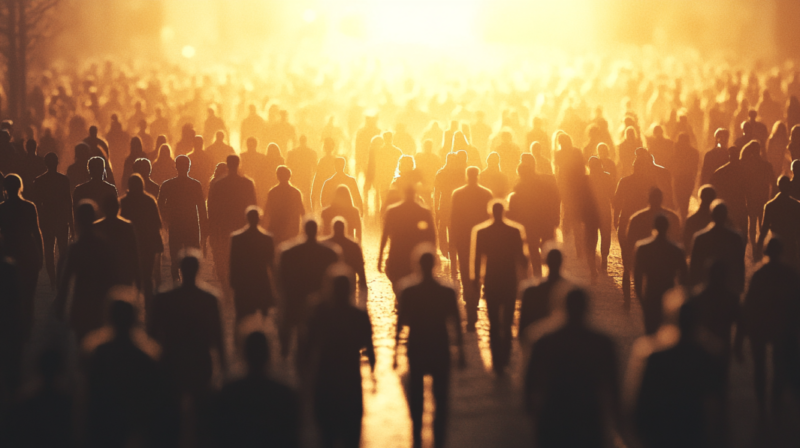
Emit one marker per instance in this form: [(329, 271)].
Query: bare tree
[(24, 24)]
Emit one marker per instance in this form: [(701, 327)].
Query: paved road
[(486, 411)]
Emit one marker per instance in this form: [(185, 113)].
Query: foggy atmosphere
[(388, 223)]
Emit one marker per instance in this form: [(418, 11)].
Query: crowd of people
[(111, 175)]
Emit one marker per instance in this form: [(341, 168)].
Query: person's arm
[(203, 214), (37, 237), (455, 316), (638, 273), (476, 259), (401, 322), (384, 240), (766, 225), (359, 203), (357, 225), (369, 345), (616, 205)]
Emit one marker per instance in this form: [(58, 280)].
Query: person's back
[(700, 219), (727, 181), (425, 308), (302, 160), (256, 410), (95, 189), (571, 382), (406, 224), (284, 209), (219, 151), (352, 255), (501, 244), (251, 261), (120, 236), (718, 242), (337, 179), (202, 164), (469, 208), (676, 393)]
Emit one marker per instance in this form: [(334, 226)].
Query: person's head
[(85, 216), (774, 249), (97, 167), (81, 151), (795, 135), (683, 139), (189, 267), (594, 164), (30, 146), (219, 136), (256, 351), (253, 215), (142, 126), (388, 138), (658, 131), (143, 167), (426, 263), (51, 161), (564, 140), (472, 175), (122, 315), (283, 173), (310, 229), (784, 184), (630, 133), (233, 163), (136, 146), (577, 304), (12, 184), (751, 150), (505, 137), (198, 143), (593, 131), (339, 163), (535, 148), (164, 151), (410, 193), (602, 150), (376, 142), (342, 196), (795, 167), (554, 261), (427, 146), (721, 137), (748, 128), (707, 194), (210, 111), (733, 154), (752, 114), (252, 144), (303, 140), (182, 164), (273, 151), (493, 160), (110, 206), (135, 184), (719, 212), (328, 145), (252, 109), (221, 170), (405, 165), (93, 131), (339, 226), (661, 224), (656, 197), (497, 210)]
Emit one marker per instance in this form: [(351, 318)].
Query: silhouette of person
[(499, 264), (538, 300), (51, 194), (716, 157), (342, 206), (120, 235), (428, 164), (428, 309), (257, 410), (680, 397), (685, 162), (272, 161), (284, 208), (302, 160), (606, 161), (186, 323), (141, 209), (631, 196), (363, 142), (125, 387), (77, 173), (89, 267), (627, 151), (777, 148), (536, 204), (460, 144), (202, 163), (326, 169), (601, 184), (136, 152), (448, 178), (758, 180), (781, 216), (183, 208), (380, 168), (219, 151), (769, 316), (509, 154), (32, 165), (251, 267), (254, 166), (405, 226), (12, 325), (212, 124), (718, 242), (19, 229), (470, 207), (340, 178), (301, 271), (252, 126), (46, 417), (164, 167), (227, 204), (144, 168), (700, 218), (570, 172), (571, 384), (337, 333), (96, 189), (659, 262), (641, 223), (494, 179), (352, 255)]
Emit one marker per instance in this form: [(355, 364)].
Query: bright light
[(435, 23), (188, 52), (309, 16)]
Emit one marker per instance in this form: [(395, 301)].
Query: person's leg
[(147, 260), (49, 242), (441, 396), (605, 243), (175, 246), (416, 399), (591, 231), (494, 310), (535, 242), (468, 293), (760, 374), (507, 321)]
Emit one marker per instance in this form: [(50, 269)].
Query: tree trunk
[(22, 64), (12, 69)]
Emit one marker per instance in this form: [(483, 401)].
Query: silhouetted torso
[(406, 224), (120, 236), (95, 189), (252, 257), (426, 308), (284, 212), (718, 242), (227, 203)]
